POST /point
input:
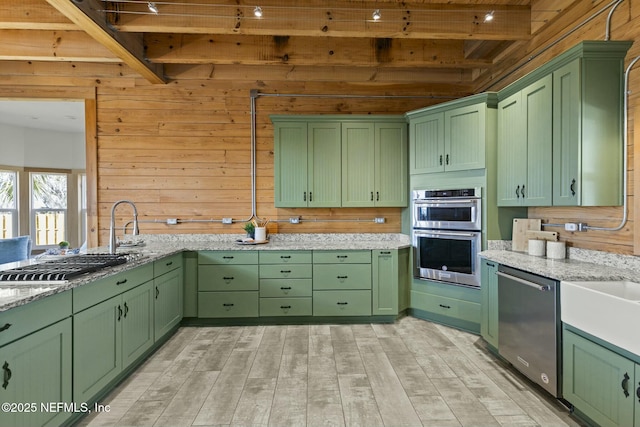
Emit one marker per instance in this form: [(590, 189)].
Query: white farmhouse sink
[(606, 309)]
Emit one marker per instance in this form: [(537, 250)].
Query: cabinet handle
[(169, 263), (447, 160), (304, 196), (285, 288), (228, 278), (285, 271), (6, 375), (5, 327), (285, 256), (121, 282), (372, 196), (157, 292), (342, 277), (342, 303), (310, 196), (572, 187), (377, 196), (385, 253), (227, 257), (638, 392), (285, 307), (126, 309), (522, 191), (625, 384), (440, 159), (342, 256), (491, 264), (227, 305), (119, 313), (518, 191), (445, 306)]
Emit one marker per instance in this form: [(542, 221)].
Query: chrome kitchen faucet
[(112, 225)]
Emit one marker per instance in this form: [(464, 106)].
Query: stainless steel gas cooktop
[(64, 269)]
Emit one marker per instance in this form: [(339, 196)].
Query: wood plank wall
[(183, 150)]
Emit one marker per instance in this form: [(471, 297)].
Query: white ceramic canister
[(260, 234), (556, 250), (536, 247)]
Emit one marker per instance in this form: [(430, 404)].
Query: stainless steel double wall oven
[(447, 235)]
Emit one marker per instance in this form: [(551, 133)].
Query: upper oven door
[(448, 214)]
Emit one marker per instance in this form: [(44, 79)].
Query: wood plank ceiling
[(442, 42)]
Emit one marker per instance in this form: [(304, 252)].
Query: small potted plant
[(250, 228), (63, 245)]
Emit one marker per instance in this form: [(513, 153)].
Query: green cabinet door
[(137, 322), (358, 164), (597, 381), (391, 189), (290, 164), (464, 138), (323, 171), (426, 143), (167, 305), (384, 284), (512, 151), (97, 355), (37, 370), (489, 298)]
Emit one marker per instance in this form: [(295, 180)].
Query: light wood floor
[(411, 373)]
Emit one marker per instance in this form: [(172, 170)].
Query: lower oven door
[(447, 256)]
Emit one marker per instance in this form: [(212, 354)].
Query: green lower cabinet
[(342, 303), (384, 286), (489, 295), (107, 337), (342, 276), (286, 307), (456, 306), (598, 382), (228, 304), (168, 302), (37, 371)]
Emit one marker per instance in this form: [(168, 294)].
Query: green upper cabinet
[(451, 136), (524, 146), (335, 161), (374, 164), (570, 120)]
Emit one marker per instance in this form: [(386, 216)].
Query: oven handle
[(446, 201), (442, 233), (543, 288)]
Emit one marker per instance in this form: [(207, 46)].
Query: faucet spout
[(112, 224)]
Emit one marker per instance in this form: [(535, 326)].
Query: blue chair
[(15, 249)]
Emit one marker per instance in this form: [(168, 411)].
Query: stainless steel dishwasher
[(528, 326)]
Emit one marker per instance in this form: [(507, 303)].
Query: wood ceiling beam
[(32, 15), (333, 18), (88, 15)]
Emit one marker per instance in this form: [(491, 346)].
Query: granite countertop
[(559, 269), (159, 246)]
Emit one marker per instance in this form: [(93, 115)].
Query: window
[(48, 208), (8, 204)]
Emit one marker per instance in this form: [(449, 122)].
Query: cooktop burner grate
[(62, 269)]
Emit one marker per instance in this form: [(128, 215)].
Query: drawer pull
[(6, 375), (342, 277), (625, 384), (157, 292), (342, 256), (5, 327), (385, 253), (285, 307), (285, 288), (445, 306), (285, 256), (342, 303), (121, 282), (119, 313), (126, 309), (227, 278), (169, 263), (227, 257), (227, 305), (285, 271)]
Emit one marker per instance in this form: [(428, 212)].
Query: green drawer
[(228, 304), (342, 303), (227, 257), (102, 289), (285, 271), (273, 288), (285, 257), (285, 307), (167, 264), (25, 319), (342, 276), (342, 257), (228, 278), (463, 310)]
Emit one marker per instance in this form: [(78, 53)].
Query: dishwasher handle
[(542, 288)]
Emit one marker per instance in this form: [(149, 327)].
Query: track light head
[(488, 17), (257, 12), (152, 7), (376, 15)]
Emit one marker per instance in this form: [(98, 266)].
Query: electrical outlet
[(571, 226), (227, 220), (294, 220), (379, 220), (172, 221)]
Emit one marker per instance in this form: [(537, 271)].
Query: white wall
[(27, 147)]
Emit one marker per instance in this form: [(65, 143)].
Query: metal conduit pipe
[(607, 31)]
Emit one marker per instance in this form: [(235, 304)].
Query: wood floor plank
[(254, 406), (185, 405), (358, 402), (289, 402)]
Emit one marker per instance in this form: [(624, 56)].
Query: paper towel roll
[(536, 247), (556, 250)]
